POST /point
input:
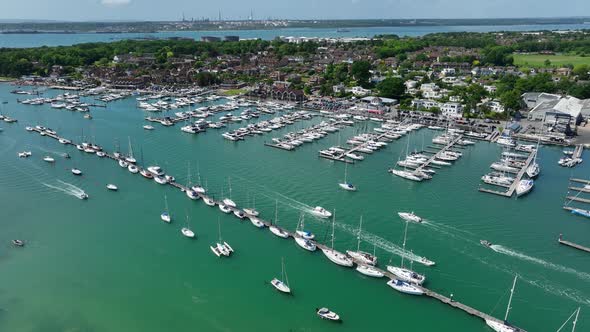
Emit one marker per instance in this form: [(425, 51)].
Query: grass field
[(233, 92), (538, 60)]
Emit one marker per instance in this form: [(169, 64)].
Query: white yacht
[(499, 326), (165, 216), (305, 244), (405, 287), (403, 273), (347, 185), (221, 248), (301, 229), (506, 141), (208, 201), (191, 194), (326, 313), (524, 187), (274, 228), (132, 168), (256, 222), (76, 171), (336, 256), (156, 170), (405, 175), (186, 231), (160, 179), (112, 187), (24, 154), (319, 211), (49, 159), (224, 208), (410, 216), (148, 127), (123, 163)]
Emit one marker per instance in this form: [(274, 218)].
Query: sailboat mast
[(510, 299), (229, 183), (333, 223), (575, 320), (358, 236), (345, 172), (404, 244), (276, 210)]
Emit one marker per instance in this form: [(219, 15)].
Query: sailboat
[(333, 255), (228, 201), (576, 313), (279, 284), (144, 172), (222, 206), (498, 326), (274, 228), (130, 159), (186, 231), (198, 188), (252, 211), (534, 169), (403, 273), (189, 191), (221, 248), (363, 257), (346, 185), (301, 229), (166, 214)]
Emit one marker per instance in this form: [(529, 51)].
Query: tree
[(392, 87), (510, 100), (547, 62), (498, 55), (360, 72), (582, 71)]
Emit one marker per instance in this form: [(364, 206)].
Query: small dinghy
[(76, 171), (18, 243)]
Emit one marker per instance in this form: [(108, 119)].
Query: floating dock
[(517, 178), (571, 244), (427, 292)]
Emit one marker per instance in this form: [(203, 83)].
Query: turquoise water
[(110, 264), (33, 40)]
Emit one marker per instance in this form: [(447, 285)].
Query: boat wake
[(556, 267), (448, 231), (66, 188)]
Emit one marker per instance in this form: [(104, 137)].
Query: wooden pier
[(578, 151), (571, 244), (430, 293), (441, 151)]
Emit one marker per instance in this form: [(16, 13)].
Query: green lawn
[(233, 92), (538, 60)]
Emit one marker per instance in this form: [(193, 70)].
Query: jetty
[(428, 292), (571, 244), (517, 178), (441, 151)]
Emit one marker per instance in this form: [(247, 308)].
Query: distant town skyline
[(173, 10)]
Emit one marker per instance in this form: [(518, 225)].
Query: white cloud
[(115, 2)]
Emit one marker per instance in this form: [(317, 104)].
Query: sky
[(89, 10)]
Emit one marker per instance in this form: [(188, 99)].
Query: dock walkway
[(517, 178), (571, 244), (427, 292)]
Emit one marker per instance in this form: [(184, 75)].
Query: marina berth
[(405, 287)]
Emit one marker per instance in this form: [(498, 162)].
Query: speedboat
[(326, 313), (224, 208), (305, 244), (409, 216), (280, 286), (405, 287), (406, 275), (24, 154), (278, 231), (82, 195), (319, 211), (256, 222), (148, 127), (187, 232), (524, 187), (18, 243), (369, 271), (76, 171), (112, 187), (133, 168), (49, 159), (485, 243), (347, 186)]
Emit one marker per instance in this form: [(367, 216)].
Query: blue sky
[(80, 10)]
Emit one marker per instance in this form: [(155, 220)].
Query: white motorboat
[(49, 159), (502, 167), (256, 222), (165, 216), (156, 170), (24, 154), (278, 283), (405, 287), (319, 211), (335, 256), (506, 141), (497, 179), (409, 216), (362, 256), (524, 187), (148, 127), (82, 195), (132, 168), (326, 313), (305, 244), (112, 187), (370, 271), (76, 171)]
